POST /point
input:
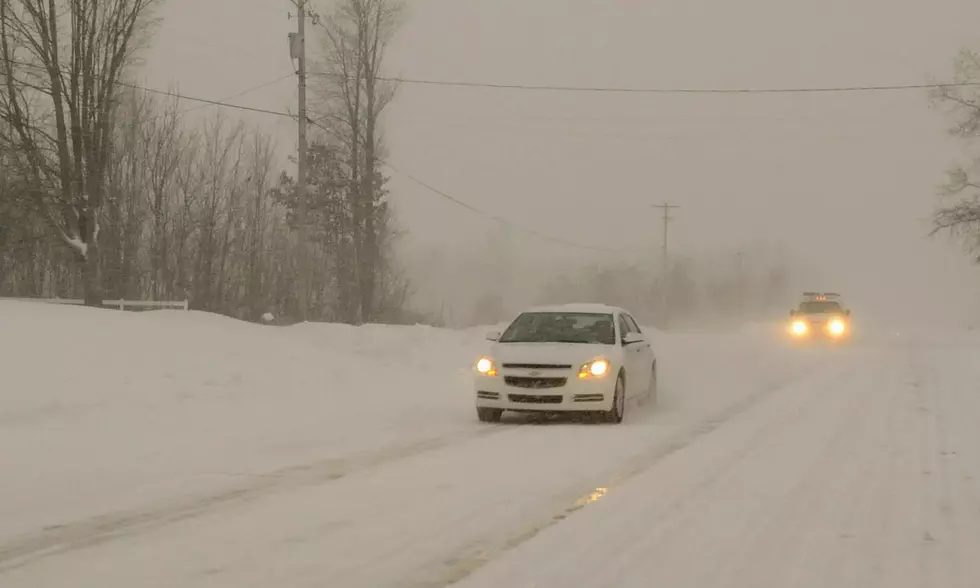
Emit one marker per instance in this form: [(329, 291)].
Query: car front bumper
[(819, 331), (526, 394), (820, 335)]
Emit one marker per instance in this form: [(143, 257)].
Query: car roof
[(584, 307)]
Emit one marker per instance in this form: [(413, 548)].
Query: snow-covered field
[(184, 449)]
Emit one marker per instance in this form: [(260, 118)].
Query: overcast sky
[(844, 180)]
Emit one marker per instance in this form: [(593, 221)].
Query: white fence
[(120, 304)]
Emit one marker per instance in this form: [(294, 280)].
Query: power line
[(472, 208), (179, 96), (415, 180), (223, 101), (206, 101), (666, 90), (500, 219)]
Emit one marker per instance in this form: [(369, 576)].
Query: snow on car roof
[(577, 307)]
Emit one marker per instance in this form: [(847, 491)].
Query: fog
[(839, 186)]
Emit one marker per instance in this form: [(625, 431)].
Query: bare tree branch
[(76, 58), (959, 211)]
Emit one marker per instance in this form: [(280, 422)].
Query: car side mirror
[(630, 338), (493, 336)]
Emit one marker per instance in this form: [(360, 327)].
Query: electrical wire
[(634, 90), (446, 196), (666, 90), (500, 219), (204, 101), (222, 103)]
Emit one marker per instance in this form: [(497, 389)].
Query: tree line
[(108, 191)]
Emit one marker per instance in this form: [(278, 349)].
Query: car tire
[(488, 414), (618, 410)]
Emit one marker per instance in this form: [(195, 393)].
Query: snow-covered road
[(226, 461), (866, 476)]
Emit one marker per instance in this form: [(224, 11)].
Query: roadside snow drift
[(102, 410)]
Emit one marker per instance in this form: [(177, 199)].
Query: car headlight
[(485, 366), (799, 327), (594, 369), (836, 327)]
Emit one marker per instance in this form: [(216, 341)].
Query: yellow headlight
[(595, 369), (799, 328), (836, 327), (485, 366)]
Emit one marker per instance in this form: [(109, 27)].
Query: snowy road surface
[(200, 452)]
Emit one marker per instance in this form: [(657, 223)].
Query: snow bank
[(106, 410)]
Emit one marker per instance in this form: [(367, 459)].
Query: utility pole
[(664, 269), (297, 50)]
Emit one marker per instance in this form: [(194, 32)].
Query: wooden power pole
[(664, 264), (297, 50)]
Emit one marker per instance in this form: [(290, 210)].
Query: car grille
[(537, 383), (534, 399), (538, 366)]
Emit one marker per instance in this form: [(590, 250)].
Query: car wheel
[(616, 413), (487, 414)]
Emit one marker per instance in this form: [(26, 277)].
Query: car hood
[(575, 354)]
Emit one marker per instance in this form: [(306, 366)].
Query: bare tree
[(261, 174), (165, 141), (125, 211), (125, 194), (186, 214), (354, 94), (62, 63), (959, 212)]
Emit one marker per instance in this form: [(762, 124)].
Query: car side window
[(623, 327), (634, 326)]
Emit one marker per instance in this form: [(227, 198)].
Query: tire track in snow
[(832, 490), (475, 555), (680, 517), (765, 536), (89, 532)]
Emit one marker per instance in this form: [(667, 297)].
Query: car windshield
[(561, 327), (820, 307)]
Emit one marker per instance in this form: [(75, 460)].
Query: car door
[(637, 378), (643, 357)]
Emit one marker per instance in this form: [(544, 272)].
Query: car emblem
[(535, 373)]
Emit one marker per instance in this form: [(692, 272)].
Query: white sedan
[(569, 358)]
